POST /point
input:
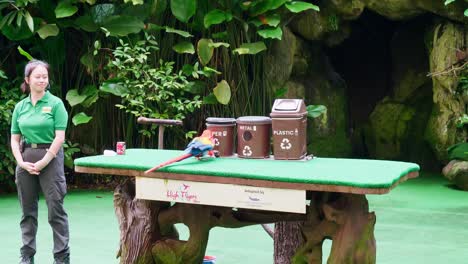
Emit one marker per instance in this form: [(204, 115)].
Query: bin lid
[(288, 108), (220, 120), (254, 120)]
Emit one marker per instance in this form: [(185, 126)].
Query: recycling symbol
[(247, 151), (216, 141), (285, 144)]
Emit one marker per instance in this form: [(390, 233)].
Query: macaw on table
[(199, 147)]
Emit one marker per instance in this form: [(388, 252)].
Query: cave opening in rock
[(384, 64)]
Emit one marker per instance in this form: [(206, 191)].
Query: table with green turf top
[(326, 194)]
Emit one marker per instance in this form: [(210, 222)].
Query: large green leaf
[(65, 9), (48, 30), (315, 111), (88, 61), (92, 95), (466, 13), (113, 87), (215, 17), (184, 47), (270, 20), (183, 10), (219, 44), (195, 87), (17, 33), (99, 13), (250, 48), (29, 20), (134, 2), (448, 2), (222, 91), (178, 32), (271, 33), (142, 11), (74, 98), (261, 7), (86, 23), (25, 53), (205, 50), (123, 25), (458, 151), (298, 6), (81, 118), (210, 99), (158, 7)]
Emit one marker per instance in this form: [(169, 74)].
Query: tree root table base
[(148, 235)]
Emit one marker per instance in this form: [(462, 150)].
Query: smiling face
[(38, 80)]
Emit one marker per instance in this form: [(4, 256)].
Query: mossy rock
[(389, 123), (441, 130), (457, 173)]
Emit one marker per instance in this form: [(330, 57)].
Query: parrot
[(200, 147)]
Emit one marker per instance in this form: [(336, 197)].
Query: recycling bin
[(289, 126), (223, 134), (253, 137)]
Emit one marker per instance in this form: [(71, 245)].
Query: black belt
[(39, 146)]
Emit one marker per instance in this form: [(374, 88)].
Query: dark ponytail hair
[(30, 66)]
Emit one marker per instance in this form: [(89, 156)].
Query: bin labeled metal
[(289, 125), (223, 134), (253, 137)]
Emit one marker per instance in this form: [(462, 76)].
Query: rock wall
[(446, 38), (415, 117), (310, 76)]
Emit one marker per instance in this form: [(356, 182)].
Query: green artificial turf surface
[(363, 173)]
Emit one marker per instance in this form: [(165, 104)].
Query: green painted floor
[(421, 221)]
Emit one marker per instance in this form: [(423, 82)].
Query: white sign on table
[(227, 195)]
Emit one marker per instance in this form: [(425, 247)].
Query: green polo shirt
[(38, 123)]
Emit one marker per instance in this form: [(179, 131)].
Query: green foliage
[(184, 47), (462, 121), (8, 101), (298, 6), (458, 151), (273, 33), (447, 2), (315, 111), (222, 91), (215, 17), (250, 48), (183, 10), (149, 88), (18, 11), (24, 53), (205, 50), (463, 82), (81, 118), (65, 9), (86, 98), (212, 73), (69, 149), (462, 90)]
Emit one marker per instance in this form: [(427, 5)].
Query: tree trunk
[(136, 222), (287, 239)]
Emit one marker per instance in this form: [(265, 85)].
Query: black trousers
[(51, 181)]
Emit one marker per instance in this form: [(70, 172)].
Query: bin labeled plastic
[(223, 134), (253, 137), (289, 126)]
